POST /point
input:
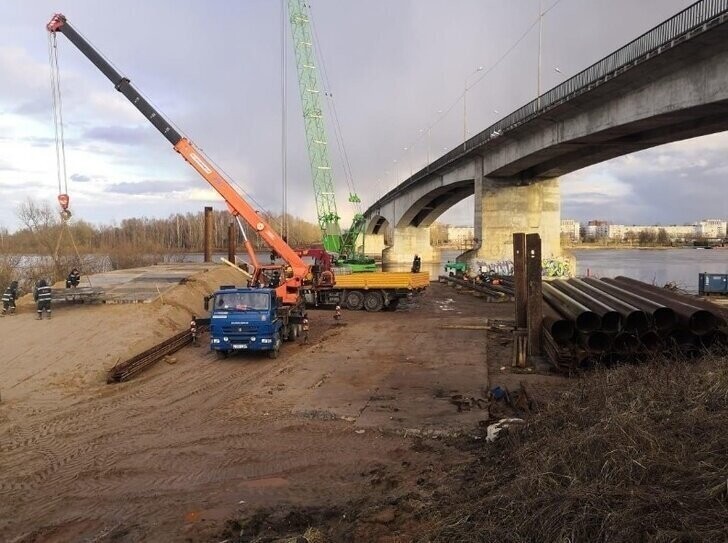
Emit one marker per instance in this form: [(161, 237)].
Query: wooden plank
[(232, 241), (535, 296), (520, 280), (207, 237)]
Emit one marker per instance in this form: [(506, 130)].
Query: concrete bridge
[(669, 84)]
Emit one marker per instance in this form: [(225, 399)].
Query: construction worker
[(8, 299), (193, 331), (337, 314), (42, 296), (73, 279), (416, 264), (305, 329)]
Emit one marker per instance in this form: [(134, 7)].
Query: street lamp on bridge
[(465, 102)]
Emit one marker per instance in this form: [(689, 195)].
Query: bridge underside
[(668, 85), (566, 157), (429, 207)]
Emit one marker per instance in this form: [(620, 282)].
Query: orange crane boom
[(299, 272)]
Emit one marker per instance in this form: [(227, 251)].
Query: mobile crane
[(270, 314), (290, 286)]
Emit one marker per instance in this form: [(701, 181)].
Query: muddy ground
[(194, 449)]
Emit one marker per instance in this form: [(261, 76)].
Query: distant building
[(621, 232), (570, 229), (710, 228), (603, 230), (595, 230)]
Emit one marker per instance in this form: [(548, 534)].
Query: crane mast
[(299, 271), (315, 129)]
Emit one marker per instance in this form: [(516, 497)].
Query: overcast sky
[(394, 67)]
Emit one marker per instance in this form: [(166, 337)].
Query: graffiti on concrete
[(550, 267)]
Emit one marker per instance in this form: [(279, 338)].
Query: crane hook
[(63, 200)]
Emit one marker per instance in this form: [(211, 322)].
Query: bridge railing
[(668, 33)]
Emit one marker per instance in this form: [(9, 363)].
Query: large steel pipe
[(626, 343), (596, 342), (699, 321), (720, 312), (561, 329), (633, 318), (651, 341), (584, 319), (611, 319), (684, 341), (664, 317)]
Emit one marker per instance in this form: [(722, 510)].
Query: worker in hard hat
[(42, 296), (305, 328), (8, 299), (193, 331), (337, 314), (73, 279)]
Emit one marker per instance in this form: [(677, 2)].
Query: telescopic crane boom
[(290, 289)]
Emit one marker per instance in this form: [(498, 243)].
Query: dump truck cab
[(246, 319)]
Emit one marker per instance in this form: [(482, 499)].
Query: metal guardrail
[(694, 20)]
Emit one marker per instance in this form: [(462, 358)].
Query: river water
[(659, 266)]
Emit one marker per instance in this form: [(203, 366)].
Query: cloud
[(123, 135), (152, 187), (80, 178), (6, 166)]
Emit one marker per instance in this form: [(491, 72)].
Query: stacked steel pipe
[(588, 321)]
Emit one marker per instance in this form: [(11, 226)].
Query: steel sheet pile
[(589, 321)]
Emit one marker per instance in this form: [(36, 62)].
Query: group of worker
[(41, 294)]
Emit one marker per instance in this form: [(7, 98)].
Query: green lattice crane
[(317, 145), (313, 118)]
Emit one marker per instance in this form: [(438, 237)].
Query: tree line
[(58, 246), (41, 227)]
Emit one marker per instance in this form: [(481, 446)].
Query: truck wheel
[(392, 305), (373, 301), (221, 355), (293, 333), (274, 352), (354, 300)]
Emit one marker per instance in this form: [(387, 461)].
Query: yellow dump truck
[(375, 291)]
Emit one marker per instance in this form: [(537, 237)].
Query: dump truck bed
[(383, 280)]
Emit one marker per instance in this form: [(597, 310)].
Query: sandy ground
[(175, 453)]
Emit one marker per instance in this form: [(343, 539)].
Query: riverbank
[(177, 452)]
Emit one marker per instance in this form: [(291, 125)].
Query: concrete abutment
[(408, 242), (373, 245), (503, 209)]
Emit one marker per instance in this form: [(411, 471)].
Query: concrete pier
[(408, 242), (374, 245), (502, 210)]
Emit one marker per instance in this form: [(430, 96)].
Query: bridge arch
[(426, 209), (378, 224)]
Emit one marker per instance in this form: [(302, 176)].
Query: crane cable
[(61, 172), (57, 115)]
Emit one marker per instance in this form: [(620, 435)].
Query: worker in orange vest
[(305, 328), (193, 331)]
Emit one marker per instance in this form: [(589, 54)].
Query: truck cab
[(245, 319)]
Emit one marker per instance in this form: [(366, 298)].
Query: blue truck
[(251, 319)]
